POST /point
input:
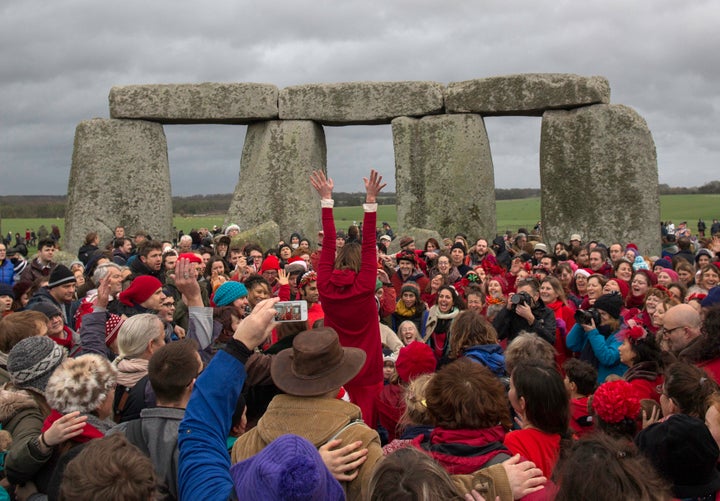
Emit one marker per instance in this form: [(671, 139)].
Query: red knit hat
[(112, 327), (270, 263), (414, 360), (623, 286), (140, 290), (615, 401), (193, 258)]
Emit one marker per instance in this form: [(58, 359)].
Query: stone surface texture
[(119, 176), (526, 94), (360, 103), (599, 178), (444, 175), (274, 180), (266, 235), (204, 103)]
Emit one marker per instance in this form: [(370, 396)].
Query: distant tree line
[(53, 206)]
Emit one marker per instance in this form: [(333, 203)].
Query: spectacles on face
[(168, 305), (667, 332), (255, 256)]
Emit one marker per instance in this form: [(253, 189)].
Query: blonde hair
[(416, 411), (136, 333)]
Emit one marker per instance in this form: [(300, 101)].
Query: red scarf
[(463, 451), (88, 433)]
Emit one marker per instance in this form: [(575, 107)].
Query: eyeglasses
[(255, 256), (168, 305), (666, 332)]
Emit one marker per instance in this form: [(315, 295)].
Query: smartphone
[(291, 311)]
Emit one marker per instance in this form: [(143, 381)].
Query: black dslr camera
[(520, 298), (585, 317)]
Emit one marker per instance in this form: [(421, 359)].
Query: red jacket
[(348, 298)]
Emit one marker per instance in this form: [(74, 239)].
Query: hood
[(343, 278), (13, 401)]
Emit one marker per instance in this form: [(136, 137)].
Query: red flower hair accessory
[(635, 333), (615, 401)]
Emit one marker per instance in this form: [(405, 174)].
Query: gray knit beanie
[(32, 361)]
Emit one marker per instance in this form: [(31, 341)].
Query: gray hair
[(102, 271), (136, 333)]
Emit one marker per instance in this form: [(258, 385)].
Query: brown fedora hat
[(316, 364)]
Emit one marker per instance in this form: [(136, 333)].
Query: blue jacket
[(204, 469), (605, 350), (7, 272), (490, 355)]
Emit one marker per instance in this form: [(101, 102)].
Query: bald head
[(681, 326)]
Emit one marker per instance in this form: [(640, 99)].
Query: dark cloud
[(61, 58)]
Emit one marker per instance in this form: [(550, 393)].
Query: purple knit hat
[(289, 468)]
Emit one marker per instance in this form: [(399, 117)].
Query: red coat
[(712, 367), (348, 298)]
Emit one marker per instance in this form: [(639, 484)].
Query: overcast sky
[(60, 58)]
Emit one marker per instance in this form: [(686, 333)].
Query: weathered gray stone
[(599, 178), (204, 103), (266, 235), (444, 174), (420, 235), (526, 94), (274, 182), (119, 176), (360, 103)]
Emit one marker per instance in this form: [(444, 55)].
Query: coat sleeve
[(23, 460), (92, 333), (545, 324), (367, 277), (204, 470), (605, 349), (576, 338)]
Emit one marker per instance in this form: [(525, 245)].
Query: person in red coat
[(346, 284), (641, 353)]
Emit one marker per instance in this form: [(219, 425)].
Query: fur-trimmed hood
[(13, 401)]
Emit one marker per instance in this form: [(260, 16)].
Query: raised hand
[(322, 184), (256, 327), (373, 186)]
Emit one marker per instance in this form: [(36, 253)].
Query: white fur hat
[(80, 384)]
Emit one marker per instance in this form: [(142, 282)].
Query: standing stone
[(274, 182), (119, 176), (599, 177), (444, 175), (360, 103), (528, 94)]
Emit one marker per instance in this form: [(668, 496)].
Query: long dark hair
[(547, 404)]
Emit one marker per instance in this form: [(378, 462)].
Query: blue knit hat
[(229, 292), (289, 468)]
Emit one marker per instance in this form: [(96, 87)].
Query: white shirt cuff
[(327, 203), (370, 207)]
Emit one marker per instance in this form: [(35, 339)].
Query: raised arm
[(373, 186), (322, 184)]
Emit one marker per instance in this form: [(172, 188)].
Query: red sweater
[(348, 298), (539, 447)]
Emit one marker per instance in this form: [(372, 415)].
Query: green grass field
[(511, 215)]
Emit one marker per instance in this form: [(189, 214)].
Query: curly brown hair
[(466, 395)]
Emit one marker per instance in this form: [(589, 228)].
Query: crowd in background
[(469, 367)]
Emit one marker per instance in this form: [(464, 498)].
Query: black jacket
[(509, 324)]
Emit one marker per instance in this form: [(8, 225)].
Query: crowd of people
[(493, 368)]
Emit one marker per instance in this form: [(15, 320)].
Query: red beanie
[(414, 360), (140, 290), (623, 285), (190, 256), (112, 327), (270, 263)]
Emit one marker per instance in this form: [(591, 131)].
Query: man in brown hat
[(311, 374)]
